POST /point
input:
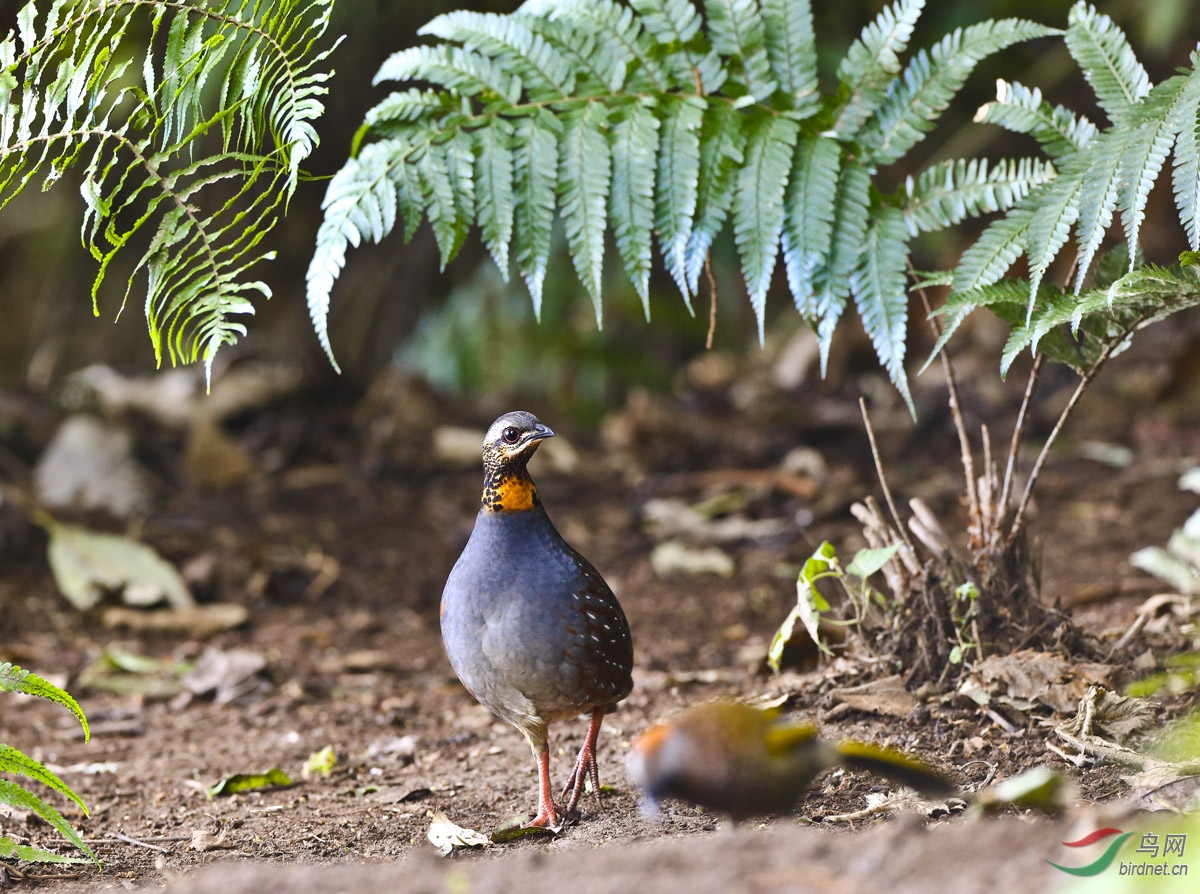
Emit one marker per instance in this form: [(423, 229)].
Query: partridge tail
[(896, 766)]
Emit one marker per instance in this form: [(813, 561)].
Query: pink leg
[(585, 766), (547, 815)]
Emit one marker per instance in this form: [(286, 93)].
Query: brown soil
[(341, 564)]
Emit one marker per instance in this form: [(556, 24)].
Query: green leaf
[(15, 679), (867, 561), (249, 782), (494, 190), (535, 177), (9, 849), (871, 63), (1107, 61), (791, 47), (676, 189), (758, 205), (721, 142), (13, 761), (1022, 110), (736, 28), (15, 796), (947, 193), (1185, 177), (634, 150), (585, 170), (832, 281), (878, 285), (808, 226)]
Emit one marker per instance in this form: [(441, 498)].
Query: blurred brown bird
[(743, 762), (528, 623)]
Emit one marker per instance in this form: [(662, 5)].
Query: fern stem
[(712, 299), (1027, 494), (1018, 430), (887, 491)]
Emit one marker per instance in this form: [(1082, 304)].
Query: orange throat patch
[(511, 493)]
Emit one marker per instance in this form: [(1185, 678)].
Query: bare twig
[(1084, 381), (960, 425), (712, 301), (154, 847), (1018, 429), (887, 491)]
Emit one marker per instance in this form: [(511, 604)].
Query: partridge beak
[(539, 433)]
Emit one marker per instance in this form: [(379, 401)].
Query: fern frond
[(14, 761), (914, 100), (791, 47), (1057, 209), (1185, 178), (634, 149), (1021, 110), (722, 140), (494, 190), (877, 284), (619, 31), (224, 103), (678, 175), (585, 170), (997, 248), (1103, 54), (952, 191), (736, 29), (1097, 199), (758, 205), (808, 225), (535, 175), (832, 281), (454, 68), (16, 679), (512, 43), (871, 63), (676, 25), (15, 796)]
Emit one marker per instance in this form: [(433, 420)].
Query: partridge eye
[(511, 435)]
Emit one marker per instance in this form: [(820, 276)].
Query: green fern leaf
[(878, 288), (722, 140), (990, 256), (924, 90), (454, 68), (1022, 110), (758, 205), (9, 849), (676, 25), (634, 149), (513, 44), (678, 178), (494, 183), (403, 108), (808, 226), (1145, 152), (1185, 178), (535, 177), (736, 27), (585, 170), (792, 49), (871, 63), (597, 70), (619, 32), (15, 796), (1107, 61), (360, 203), (1057, 209), (849, 229), (16, 679), (952, 191), (1097, 199), (13, 761)]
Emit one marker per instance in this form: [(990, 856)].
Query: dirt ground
[(338, 545)]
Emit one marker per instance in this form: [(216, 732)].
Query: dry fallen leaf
[(446, 836)]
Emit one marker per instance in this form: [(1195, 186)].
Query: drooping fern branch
[(188, 147), (662, 123), (14, 762), (1101, 173)]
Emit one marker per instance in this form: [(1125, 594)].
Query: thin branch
[(1019, 429), (964, 443), (1084, 381), (887, 491), (712, 301)]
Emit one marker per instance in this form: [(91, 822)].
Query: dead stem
[(712, 301), (1084, 381), (887, 491), (960, 425), (1018, 429)]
